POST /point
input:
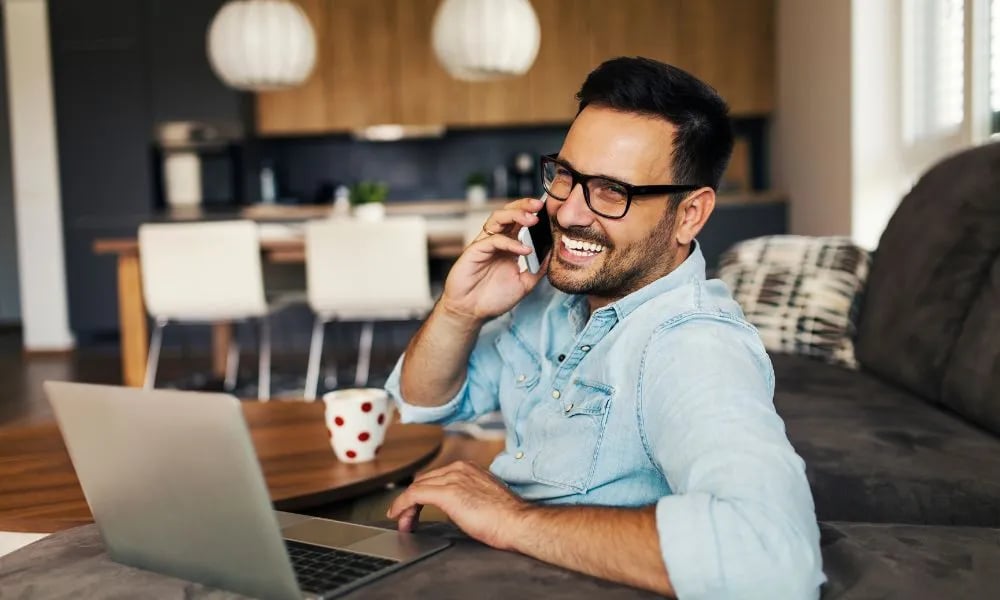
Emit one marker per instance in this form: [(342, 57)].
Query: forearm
[(434, 367), (619, 544)]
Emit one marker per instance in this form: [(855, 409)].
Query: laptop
[(175, 487)]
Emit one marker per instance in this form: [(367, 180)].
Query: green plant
[(476, 178), (368, 192)]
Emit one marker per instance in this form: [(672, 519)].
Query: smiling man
[(642, 442)]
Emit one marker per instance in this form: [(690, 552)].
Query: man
[(642, 443)]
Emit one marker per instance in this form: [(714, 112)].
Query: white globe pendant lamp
[(483, 40), (259, 45)]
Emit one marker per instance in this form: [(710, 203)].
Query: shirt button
[(561, 357), (519, 455), (585, 348), (569, 407), (521, 378), (556, 394)]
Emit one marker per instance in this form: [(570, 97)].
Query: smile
[(580, 247)]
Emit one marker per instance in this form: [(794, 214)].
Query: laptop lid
[(175, 486)]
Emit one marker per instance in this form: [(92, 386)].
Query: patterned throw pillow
[(802, 293)]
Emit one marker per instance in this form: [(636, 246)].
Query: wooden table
[(39, 491)]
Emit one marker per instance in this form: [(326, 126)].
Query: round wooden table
[(39, 491)]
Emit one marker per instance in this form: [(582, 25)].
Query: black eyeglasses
[(605, 196)]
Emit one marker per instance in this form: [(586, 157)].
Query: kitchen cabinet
[(376, 65)]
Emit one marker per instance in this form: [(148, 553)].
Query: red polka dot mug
[(357, 420)]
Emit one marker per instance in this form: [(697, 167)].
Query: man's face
[(632, 251)]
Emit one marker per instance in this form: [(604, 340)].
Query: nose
[(574, 210)]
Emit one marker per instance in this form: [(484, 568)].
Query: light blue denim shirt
[(663, 397)]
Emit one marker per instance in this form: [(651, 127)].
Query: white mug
[(357, 419)]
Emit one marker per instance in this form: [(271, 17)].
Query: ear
[(692, 213)]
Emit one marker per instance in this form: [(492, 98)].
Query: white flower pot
[(371, 211), (476, 195)]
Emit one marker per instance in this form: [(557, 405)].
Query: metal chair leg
[(264, 366), (329, 376), (364, 354), (315, 354), (232, 362), (153, 360)]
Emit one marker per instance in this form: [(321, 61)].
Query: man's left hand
[(476, 501)]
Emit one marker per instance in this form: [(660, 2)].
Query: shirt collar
[(692, 269)]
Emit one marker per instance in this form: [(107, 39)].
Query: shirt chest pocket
[(571, 431)]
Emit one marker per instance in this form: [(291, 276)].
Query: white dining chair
[(364, 271), (205, 273)]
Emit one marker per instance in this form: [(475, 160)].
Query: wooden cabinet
[(375, 62)]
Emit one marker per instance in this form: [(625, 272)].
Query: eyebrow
[(611, 177)]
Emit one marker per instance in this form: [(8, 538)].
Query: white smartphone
[(538, 237)]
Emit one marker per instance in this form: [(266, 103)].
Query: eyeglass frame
[(631, 190)]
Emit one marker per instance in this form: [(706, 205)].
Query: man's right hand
[(486, 281)]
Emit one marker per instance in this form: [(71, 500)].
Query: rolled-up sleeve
[(478, 394), (740, 522)]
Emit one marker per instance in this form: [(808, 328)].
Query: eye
[(611, 188)]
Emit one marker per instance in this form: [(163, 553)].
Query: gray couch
[(903, 456)]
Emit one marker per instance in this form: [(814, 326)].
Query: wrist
[(518, 527), (461, 321)]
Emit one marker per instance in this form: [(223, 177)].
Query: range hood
[(392, 133)]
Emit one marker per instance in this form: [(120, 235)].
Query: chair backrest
[(202, 271), (356, 268)]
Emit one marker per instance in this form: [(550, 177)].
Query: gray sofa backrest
[(931, 315)]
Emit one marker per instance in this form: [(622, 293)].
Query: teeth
[(580, 247)]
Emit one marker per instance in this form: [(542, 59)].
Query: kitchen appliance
[(198, 164)]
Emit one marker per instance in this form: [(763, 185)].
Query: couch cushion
[(802, 293), (876, 453), (930, 266), (972, 379), (863, 560)]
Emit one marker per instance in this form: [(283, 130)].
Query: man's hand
[(485, 281), (476, 501)]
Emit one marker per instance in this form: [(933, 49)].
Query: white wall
[(811, 150), (38, 217)]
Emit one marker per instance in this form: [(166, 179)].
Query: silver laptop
[(176, 488)]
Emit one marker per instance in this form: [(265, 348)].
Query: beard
[(623, 270)]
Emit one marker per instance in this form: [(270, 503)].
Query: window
[(933, 68)]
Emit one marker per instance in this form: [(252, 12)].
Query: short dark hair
[(703, 141)]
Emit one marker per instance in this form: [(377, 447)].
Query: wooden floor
[(23, 401)]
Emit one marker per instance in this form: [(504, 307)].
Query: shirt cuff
[(411, 413), (689, 552)]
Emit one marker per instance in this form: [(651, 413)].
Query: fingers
[(488, 245), (410, 517), (529, 279), (507, 221), (417, 495), (531, 205)]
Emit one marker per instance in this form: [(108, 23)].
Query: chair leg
[(364, 354), (153, 360), (315, 354), (232, 362), (329, 375), (264, 365)]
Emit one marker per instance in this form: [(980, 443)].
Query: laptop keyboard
[(320, 569)]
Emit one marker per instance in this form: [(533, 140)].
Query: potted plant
[(475, 189), (367, 200)]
